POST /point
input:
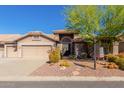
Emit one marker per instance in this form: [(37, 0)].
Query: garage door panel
[(39, 52)]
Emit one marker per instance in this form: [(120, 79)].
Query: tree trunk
[(94, 54)]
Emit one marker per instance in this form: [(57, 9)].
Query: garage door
[(12, 51), (36, 52), (121, 47)]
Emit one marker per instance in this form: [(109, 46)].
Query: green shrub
[(73, 56), (120, 63), (54, 55), (111, 58), (64, 63), (121, 55)]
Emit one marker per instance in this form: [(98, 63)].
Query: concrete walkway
[(59, 78), (18, 67)]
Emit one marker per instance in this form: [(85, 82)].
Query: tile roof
[(53, 36), (62, 32), (34, 33), (9, 37), (37, 33)]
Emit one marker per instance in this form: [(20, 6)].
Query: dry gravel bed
[(77, 68)]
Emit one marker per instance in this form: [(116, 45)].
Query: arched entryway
[(66, 46)]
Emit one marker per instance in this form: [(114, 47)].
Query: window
[(36, 38)]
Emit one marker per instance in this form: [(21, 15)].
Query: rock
[(75, 73), (78, 69), (62, 68)]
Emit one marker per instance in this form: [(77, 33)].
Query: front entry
[(66, 49), (66, 46)]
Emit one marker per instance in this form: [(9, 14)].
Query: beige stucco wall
[(11, 51), (1, 51), (43, 41), (115, 48), (76, 36)]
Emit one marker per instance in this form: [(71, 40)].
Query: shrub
[(120, 63), (111, 58), (64, 63), (73, 56), (121, 66), (121, 55), (54, 55)]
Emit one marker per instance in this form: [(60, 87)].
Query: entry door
[(66, 49)]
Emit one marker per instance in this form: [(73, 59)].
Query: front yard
[(76, 68)]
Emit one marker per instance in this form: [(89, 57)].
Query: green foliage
[(64, 63), (73, 56), (83, 19), (111, 58), (120, 63), (106, 23), (113, 17), (121, 55), (117, 60), (54, 55)]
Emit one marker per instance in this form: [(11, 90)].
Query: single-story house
[(37, 44)]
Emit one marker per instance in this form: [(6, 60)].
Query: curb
[(61, 78)]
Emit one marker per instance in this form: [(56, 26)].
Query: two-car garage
[(34, 45), (38, 52), (30, 52)]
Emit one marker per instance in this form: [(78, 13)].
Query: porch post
[(71, 48), (19, 50), (115, 48), (60, 46)]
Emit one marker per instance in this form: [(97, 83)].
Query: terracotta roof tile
[(35, 33), (9, 37), (62, 32), (53, 36)]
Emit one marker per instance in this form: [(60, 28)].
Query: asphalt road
[(61, 84)]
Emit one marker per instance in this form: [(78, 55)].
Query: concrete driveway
[(18, 66)]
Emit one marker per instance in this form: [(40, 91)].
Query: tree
[(96, 23), (112, 25), (86, 21)]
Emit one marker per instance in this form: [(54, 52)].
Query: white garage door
[(36, 52)]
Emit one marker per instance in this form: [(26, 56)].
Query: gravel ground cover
[(77, 68)]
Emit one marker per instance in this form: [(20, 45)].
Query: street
[(61, 84)]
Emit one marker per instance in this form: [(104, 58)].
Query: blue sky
[(22, 19)]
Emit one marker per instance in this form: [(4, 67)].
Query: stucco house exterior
[(37, 45)]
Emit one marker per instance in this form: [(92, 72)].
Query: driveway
[(18, 67)]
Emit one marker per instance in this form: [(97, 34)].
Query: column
[(19, 50), (115, 48)]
